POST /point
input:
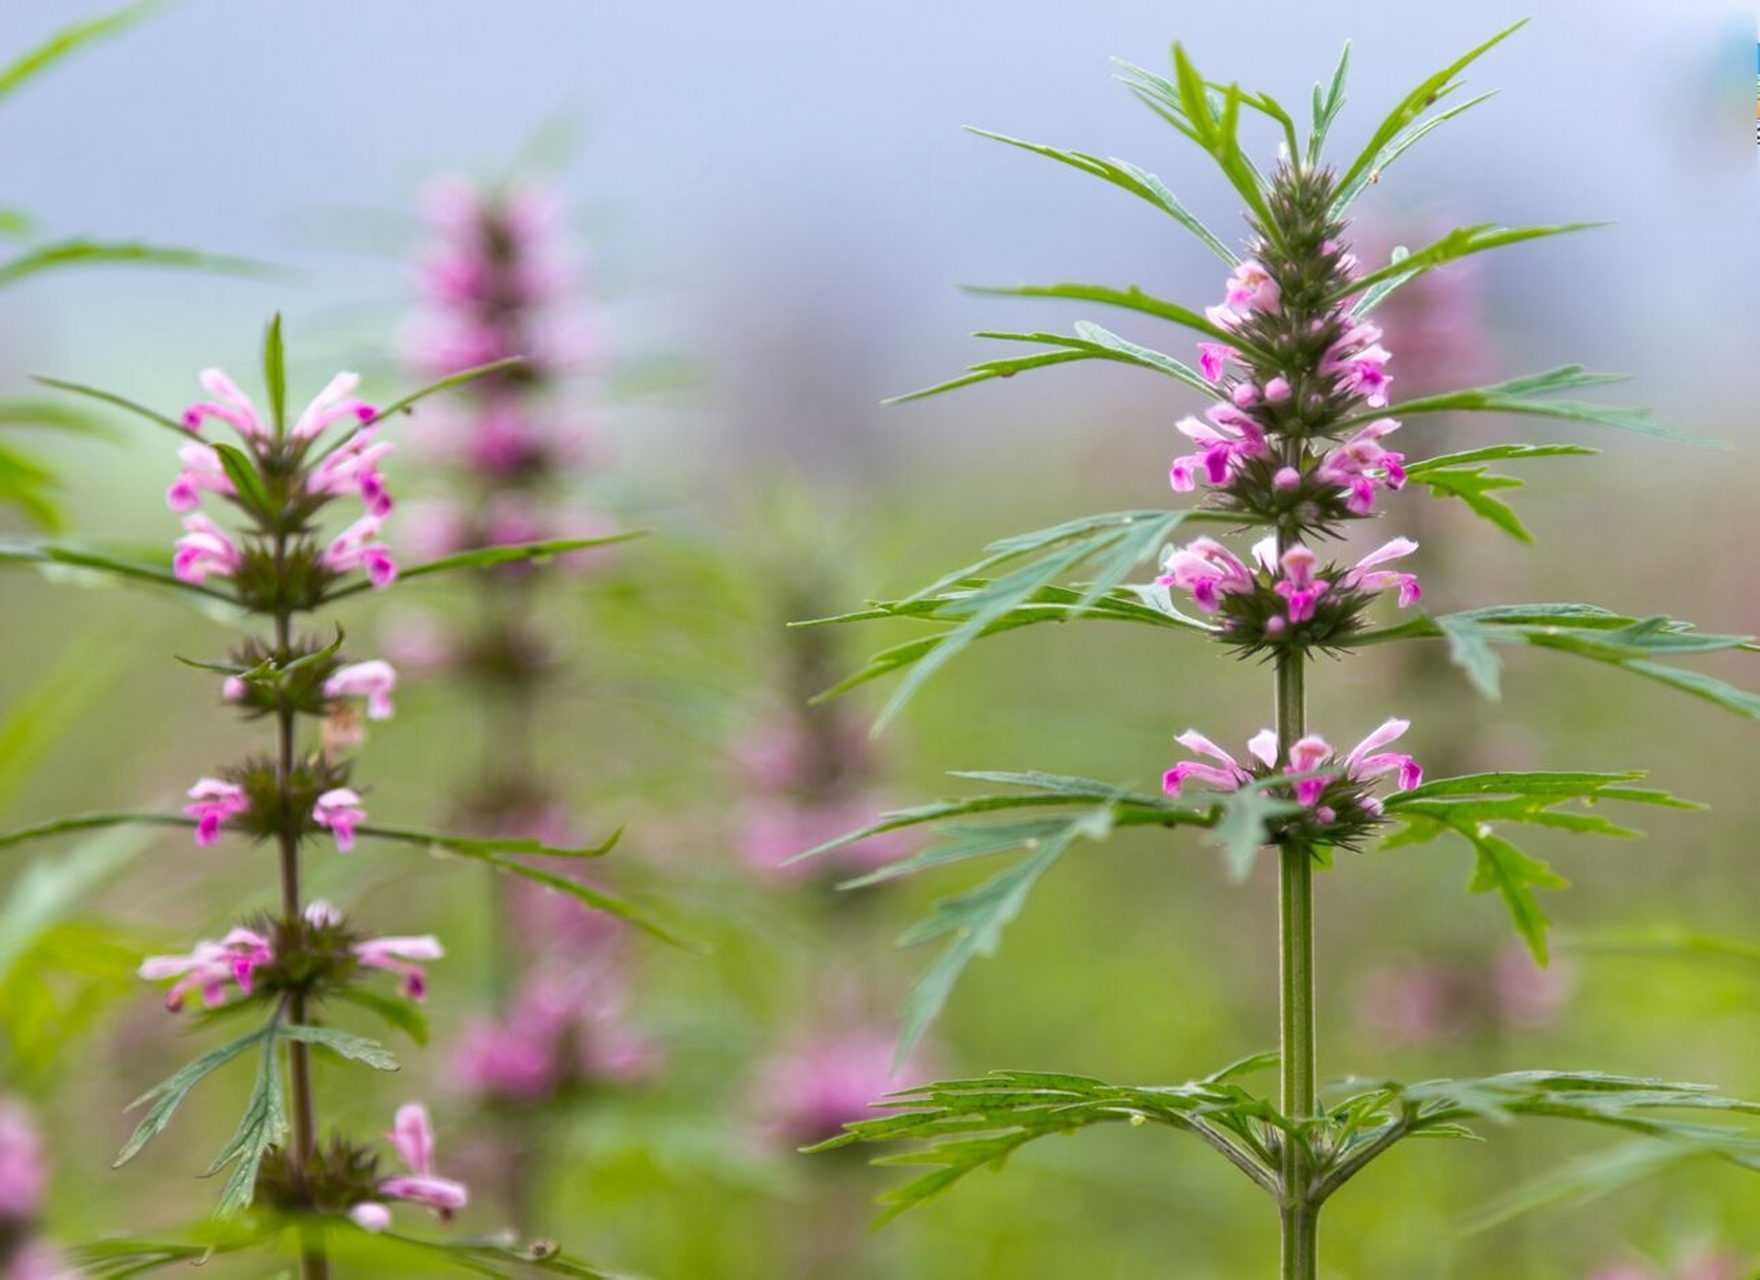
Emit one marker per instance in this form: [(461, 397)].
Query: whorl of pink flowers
[(1365, 761)]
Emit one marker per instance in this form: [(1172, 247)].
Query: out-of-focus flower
[(399, 956), (373, 680), (412, 1136), (814, 1087), (339, 810), (209, 967), (357, 547), (24, 1172), (204, 551), (216, 801)]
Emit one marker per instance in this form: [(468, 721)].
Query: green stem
[(1299, 1064), (312, 1263)]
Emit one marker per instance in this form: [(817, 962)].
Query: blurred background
[(764, 211)]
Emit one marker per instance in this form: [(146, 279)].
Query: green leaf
[(28, 487), (1246, 814), (1458, 243), (493, 851), (91, 822), (51, 415), (1327, 107), (1090, 343), (262, 1128), (446, 384), (405, 1015), (1465, 476), (168, 1094), (1132, 179), (242, 471), (1518, 396), (973, 1124), (1131, 299), (485, 557), (1116, 542), (1469, 806), (16, 222), (1415, 103), (119, 402), (1348, 192), (353, 1047), (52, 558), (275, 374), (80, 252), (68, 40)]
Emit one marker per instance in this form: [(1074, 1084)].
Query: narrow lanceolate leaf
[(1458, 243), (1631, 644), (495, 853), (16, 222), (1112, 545), (1132, 179), (991, 825), (487, 557), (67, 40), (1144, 605), (1131, 299), (354, 1048), (29, 488), (1373, 1121), (1521, 396), (168, 1095), (119, 402), (74, 253), (459, 379), (56, 561), (275, 374), (1471, 806), (247, 485), (1467, 476), (1327, 106), (972, 1124), (51, 415), (1348, 192), (1091, 342), (1415, 103), (92, 822)]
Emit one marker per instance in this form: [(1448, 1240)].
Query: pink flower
[(209, 967), (1298, 585), (398, 955), (204, 551), (412, 1135), (230, 405), (215, 802), (1225, 443), (1361, 465), (1251, 288), (333, 404), (776, 827), (1277, 390), (1208, 570), (373, 680), (339, 809), (201, 470), (560, 1029), (1212, 356), (1361, 363), (1366, 577), (1263, 745), (355, 548), (354, 468), (24, 1173)]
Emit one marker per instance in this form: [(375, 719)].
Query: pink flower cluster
[(210, 966), (412, 1137), (352, 467), (1233, 433), (1210, 571), (217, 801), (1308, 755)]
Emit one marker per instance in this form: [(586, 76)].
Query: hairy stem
[(312, 1264), (1299, 1067)]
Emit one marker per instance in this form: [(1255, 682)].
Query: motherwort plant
[(309, 503), (1298, 445)]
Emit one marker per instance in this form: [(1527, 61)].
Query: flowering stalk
[(496, 279), (283, 478), (1296, 443)]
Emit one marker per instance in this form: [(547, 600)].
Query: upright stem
[(313, 1265), (1296, 997)]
